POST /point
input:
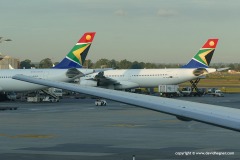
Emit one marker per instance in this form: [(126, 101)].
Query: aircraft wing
[(211, 114)]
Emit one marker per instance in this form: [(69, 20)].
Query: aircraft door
[(46, 75), (128, 76)]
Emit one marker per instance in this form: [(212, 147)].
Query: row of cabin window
[(151, 75), (11, 76), (133, 75), (136, 75)]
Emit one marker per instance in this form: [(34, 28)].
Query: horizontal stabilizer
[(222, 69)]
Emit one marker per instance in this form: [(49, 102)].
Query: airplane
[(220, 116), (134, 78), (67, 70)]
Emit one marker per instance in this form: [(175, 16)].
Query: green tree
[(88, 63), (150, 65), (101, 63), (232, 66), (113, 64), (125, 64), (46, 63), (137, 65), (26, 64), (238, 67)]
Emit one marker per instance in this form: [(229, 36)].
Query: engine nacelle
[(88, 83), (126, 85), (200, 72), (183, 118)]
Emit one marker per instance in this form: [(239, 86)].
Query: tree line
[(122, 64)]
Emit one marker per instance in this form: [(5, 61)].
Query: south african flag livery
[(203, 58), (76, 57)]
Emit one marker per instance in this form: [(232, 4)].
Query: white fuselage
[(133, 78), (8, 84)]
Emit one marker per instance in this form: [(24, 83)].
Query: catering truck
[(169, 90)]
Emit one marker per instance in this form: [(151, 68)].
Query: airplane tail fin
[(76, 57), (203, 58)]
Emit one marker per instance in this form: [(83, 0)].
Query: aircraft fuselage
[(133, 78), (8, 84)]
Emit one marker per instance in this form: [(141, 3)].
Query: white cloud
[(120, 12), (205, 2), (166, 13)]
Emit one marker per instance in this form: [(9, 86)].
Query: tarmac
[(76, 129)]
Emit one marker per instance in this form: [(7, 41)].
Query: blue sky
[(159, 31)]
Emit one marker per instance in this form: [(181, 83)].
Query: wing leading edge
[(211, 114)]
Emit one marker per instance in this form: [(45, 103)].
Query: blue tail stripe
[(66, 63), (194, 64)]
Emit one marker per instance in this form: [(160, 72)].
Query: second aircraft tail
[(76, 57), (203, 58)]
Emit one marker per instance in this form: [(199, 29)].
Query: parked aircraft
[(133, 78), (65, 71), (186, 111)]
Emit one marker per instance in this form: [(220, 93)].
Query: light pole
[(3, 39)]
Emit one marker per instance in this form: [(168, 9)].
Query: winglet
[(204, 56), (76, 57)]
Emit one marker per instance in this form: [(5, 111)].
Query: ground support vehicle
[(216, 93), (100, 102), (169, 91)]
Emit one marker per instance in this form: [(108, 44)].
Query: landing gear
[(194, 87), (194, 84)]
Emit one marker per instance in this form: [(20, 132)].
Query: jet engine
[(126, 85), (73, 73), (183, 118), (200, 71)]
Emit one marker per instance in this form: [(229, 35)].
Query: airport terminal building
[(8, 61)]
